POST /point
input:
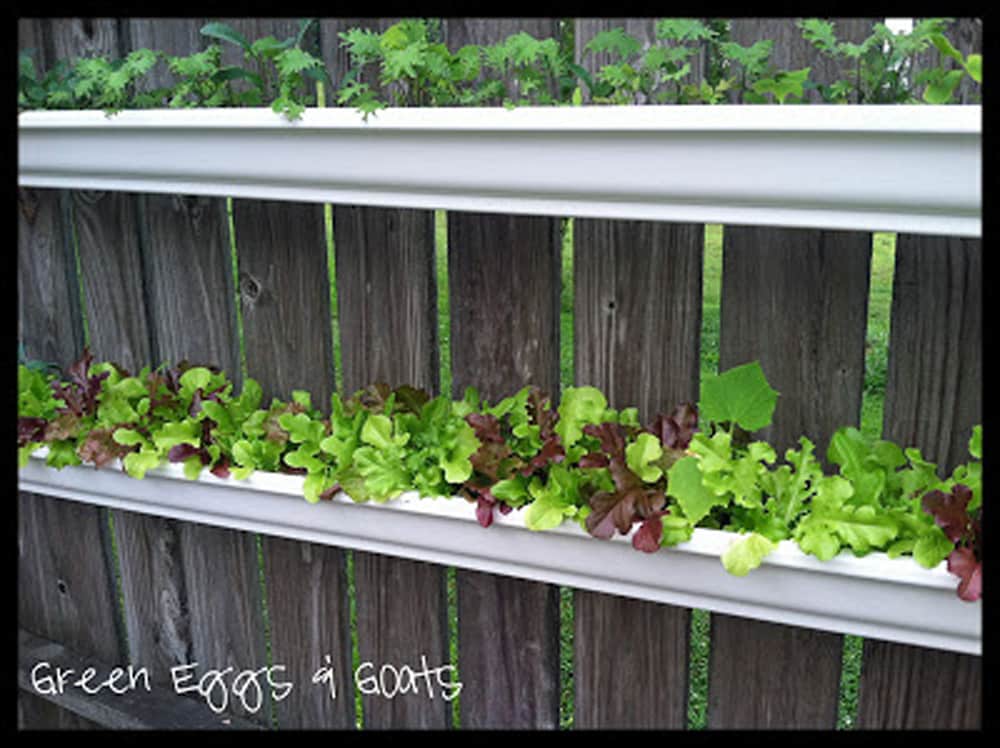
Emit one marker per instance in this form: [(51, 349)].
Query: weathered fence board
[(66, 588), (504, 278), (904, 687), (387, 310), (387, 299), (637, 310), (186, 231), (768, 675), (173, 616), (934, 390), (504, 284), (796, 300), (49, 321), (285, 297), (107, 234), (637, 323), (933, 398)]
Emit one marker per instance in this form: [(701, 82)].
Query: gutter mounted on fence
[(914, 169), (873, 596)]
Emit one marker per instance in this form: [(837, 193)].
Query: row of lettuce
[(689, 61), (581, 461)]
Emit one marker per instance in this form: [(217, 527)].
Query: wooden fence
[(154, 281)]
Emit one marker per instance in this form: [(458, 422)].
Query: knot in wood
[(249, 286)]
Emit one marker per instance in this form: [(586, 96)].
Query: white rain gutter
[(913, 169), (872, 596)]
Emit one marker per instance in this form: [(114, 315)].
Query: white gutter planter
[(914, 169), (872, 596)]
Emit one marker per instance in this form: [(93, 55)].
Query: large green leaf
[(740, 395)]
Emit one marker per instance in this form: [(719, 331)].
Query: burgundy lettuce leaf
[(949, 511), (221, 468), (80, 393), (101, 449), (551, 451), (486, 503), (66, 425), (161, 393), (542, 413), (30, 429), (594, 460), (647, 537), (200, 396), (490, 461), (632, 500), (675, 430), (181, 452), (329, 493), (484, 511), (962, 562), (486, 426), (494, 459)]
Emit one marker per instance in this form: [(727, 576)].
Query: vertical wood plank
[(49, 320), (309, 616), (386, 292), (387, 307), (637, 315), (284, 293), (934, 391), (504, 285), (768, 675), (66, 588), (905, 687), (504, 281), (285, 296), (933, 398), (387, 296), (192, 591), (637, 318), (107, 232), (796, 300)]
